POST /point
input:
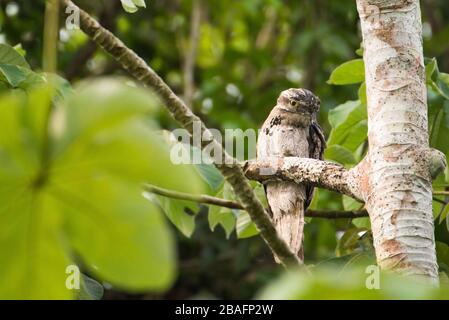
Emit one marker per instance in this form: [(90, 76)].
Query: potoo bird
[(291, 130)]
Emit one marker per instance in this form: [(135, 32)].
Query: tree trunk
[(397, 185)]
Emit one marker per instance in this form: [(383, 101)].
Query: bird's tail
[(286, 202)]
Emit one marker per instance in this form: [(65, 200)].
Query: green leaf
[(223, 217), (90, 289), (211, 175), (245, 227), (442, 255), (13, 75), (259, 190), (431, 69), (19, 76), (132, 6), (220, 215), (444, 213), (181, 213), (330, 283), (20, 49), (447, 223), (436, 80), (348, 73), (97, 133), (349, 125), (120, 235), (339, 154), (350, 204), (8, 55), (140, 3), (362, 223), (362, 94), (348, 242), (70, 182), (35, 269)]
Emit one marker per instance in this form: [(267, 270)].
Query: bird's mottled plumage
[(291, 130)]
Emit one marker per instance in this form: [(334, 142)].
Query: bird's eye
[(294, 103)]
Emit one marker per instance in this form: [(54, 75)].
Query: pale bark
[(319, 173), (397, 186)]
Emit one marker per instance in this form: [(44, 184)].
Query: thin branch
[(327, 214), (336, 214), (194, 198), (441, 193), (439, 200), (137, 67)]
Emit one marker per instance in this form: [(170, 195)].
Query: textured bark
[(397, 187), (322, 174)]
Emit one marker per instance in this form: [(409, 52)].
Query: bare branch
[(325, 214), (441, 193), (193, 197)]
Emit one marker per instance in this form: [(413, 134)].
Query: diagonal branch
[(206, 199), (232, 172)]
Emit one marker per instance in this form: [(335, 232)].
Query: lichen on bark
[(398, 192)]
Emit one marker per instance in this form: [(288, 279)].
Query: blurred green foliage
[(248, 51)]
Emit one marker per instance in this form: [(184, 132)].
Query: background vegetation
[(83, 146)]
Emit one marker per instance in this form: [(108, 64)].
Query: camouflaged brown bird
[(291, 130)]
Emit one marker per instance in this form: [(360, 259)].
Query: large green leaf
[(349, 125), (10, 56), (70, 182), (350, 283), (121, 237), (339, 154), (348, 73), (96, 133), (32, 248)]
